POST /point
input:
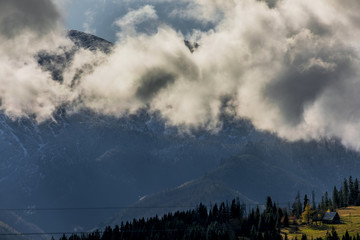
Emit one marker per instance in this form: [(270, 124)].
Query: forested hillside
[(232, 220)]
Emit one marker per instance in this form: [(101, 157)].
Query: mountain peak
[(89, 41)]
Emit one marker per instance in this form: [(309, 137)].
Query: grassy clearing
[(350, 221)]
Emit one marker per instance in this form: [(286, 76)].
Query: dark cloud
[(305, 78), (152, 82), (156, 79), (270, 3), (38, 16)]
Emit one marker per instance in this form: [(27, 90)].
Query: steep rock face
[(89, 41), (57, 63)]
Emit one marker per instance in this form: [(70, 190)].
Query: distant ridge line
[(121, 207)]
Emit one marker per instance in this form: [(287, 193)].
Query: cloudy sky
[(289, 66), (99, 16)]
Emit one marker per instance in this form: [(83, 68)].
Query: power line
[(93, 208), (117, 207), (44, 233), (94, 232), (88, 233)]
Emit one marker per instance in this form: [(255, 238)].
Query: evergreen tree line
[(347, 195), (224, 221)]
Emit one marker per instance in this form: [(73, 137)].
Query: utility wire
[(87, 233), (44, 233), (118, 207), (92, 208)]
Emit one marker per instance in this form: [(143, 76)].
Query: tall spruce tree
[(313, 199), (297, 206), (345, 193), (306, 201), (336, 199), (352, 197), (356, 187), (327, 201)]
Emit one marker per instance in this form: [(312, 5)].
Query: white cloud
[(89, 20), (129, 22), (25, 90), (203, 10), (290, 67)]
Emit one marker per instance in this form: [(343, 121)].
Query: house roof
[(329, 216)]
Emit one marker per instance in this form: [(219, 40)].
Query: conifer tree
[(306, 201), (63, 237), (313, 199), (335, 198), (346, 236), (327, 202), (286, 219), (297, 206), (345, 193), (286, 237), (356, 189), (322, 204), (352, 197)]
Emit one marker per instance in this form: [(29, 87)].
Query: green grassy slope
[(350, 221)]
